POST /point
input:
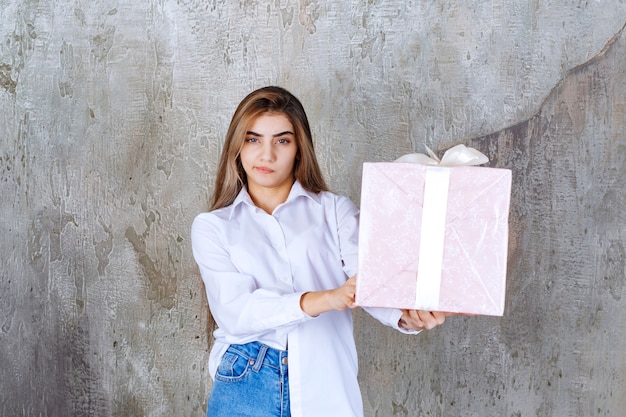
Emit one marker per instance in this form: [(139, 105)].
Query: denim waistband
[(260, 354)]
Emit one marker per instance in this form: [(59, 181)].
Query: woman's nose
[(267, 152)]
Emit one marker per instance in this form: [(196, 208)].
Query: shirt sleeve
[(347, 216), (348, 229), (238, 306)]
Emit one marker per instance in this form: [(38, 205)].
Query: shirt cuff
[(296, 298), (389, 317), (395, 318)]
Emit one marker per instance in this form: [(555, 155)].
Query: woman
[(275, 253)]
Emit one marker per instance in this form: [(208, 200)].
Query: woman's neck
[(268, 199)]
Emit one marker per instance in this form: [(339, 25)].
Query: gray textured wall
[(112, 115)]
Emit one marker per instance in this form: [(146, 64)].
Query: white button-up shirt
[(255, 268)]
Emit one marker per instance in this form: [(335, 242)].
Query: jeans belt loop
[(260, 357)]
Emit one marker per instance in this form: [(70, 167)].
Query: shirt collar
[(297, 190)]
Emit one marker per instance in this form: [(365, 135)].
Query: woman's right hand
[(317, 302), (343, 297)]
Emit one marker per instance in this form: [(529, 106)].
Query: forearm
[(256, 312), (315, 303)]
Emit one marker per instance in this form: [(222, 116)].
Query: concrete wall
[(112, 115)]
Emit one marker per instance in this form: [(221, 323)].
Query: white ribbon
[(428, 280), (459, 155)]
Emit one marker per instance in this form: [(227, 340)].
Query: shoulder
[(215, 215), (210, 221), (329, 197), (338, 202)]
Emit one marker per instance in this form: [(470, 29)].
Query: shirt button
[(284, 361)]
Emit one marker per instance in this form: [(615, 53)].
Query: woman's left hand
[(420, 319)]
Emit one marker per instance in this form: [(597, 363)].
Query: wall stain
[(68, 69), (20, 46), (103, 248), (102, 43), (7, 307), (6, 78), (83, 381), (80, 15), (309, 15), (44, 244), (161, 288), (286, 15), (613, 269), (128, 405)]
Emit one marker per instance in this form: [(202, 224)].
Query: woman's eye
[(252, 140), (282, 141)]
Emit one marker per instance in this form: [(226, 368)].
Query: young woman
[(275, 253)]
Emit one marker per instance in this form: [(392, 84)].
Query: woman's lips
[(264, 170)]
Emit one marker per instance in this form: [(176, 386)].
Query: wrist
[(315, 303)]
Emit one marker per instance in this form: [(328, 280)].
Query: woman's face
[(268, 153)]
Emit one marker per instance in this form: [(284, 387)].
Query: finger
[(413, 320), (432, 319), (439, 317)]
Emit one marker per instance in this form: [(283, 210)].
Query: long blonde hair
[(231, 176)]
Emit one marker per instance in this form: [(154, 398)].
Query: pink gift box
[(433, 238)]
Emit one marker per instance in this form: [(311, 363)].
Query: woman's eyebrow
[(286, 132)]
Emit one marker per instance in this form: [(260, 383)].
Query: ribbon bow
[(459, 155)]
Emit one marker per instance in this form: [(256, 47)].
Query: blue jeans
[(251, 380)]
